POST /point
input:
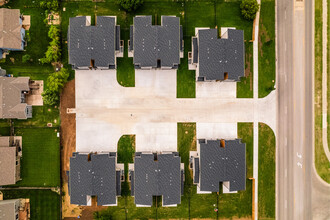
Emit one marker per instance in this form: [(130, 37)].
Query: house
[(13, 209), (219, 161), (12, 32), (156, 46), (94, 46), (95, 175), (13, 94), (10, 160), (157, 175), (217, 59)]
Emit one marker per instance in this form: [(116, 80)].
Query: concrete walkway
[(256, 114), (324, 79)]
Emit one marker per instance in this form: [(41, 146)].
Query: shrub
[(249, 9), (53, 53), (26, 58), (130, 5), (55, 83)]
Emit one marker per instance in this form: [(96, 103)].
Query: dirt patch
[(53, 18), (68, 143), (68, 127)]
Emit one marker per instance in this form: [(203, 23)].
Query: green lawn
[(266, 184), (40, 164), (4, 131), (244, 88), (322, 164), (192, 205), (44, 204), (126, 150), (267, 67)]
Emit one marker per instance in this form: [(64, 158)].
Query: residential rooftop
[(221, 161), (218, 58), (157, 175), (93, 175), (11, 31), (93, 46), (10, 154), (12, 97), (156, 46)]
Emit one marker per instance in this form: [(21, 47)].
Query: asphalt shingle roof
[(11, 105), (221, 164), (86, 43), (96, 177), (156, 42), (157, 178), (220, 55), (11, 31)]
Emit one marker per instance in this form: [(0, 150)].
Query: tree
[(26, 58), (130, 5), (55, 83), (249, 9), (53, 52), (50, 97), (49, 4)]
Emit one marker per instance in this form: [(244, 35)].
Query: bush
[(53, 53), (249, 9), (55, 83), (49, 4), (26, 58), (130, 5)]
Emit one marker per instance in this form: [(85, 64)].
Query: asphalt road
[(295, 109), (300, 194)]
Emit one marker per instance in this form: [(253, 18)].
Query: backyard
[(44, 204), (40, 164)]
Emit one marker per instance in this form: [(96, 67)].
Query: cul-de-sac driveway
[(105, 110)]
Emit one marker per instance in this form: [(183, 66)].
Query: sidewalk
[(324, 79)]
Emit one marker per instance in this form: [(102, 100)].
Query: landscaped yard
[(266, 44), (266, 184), (322, 164), (40, 164), (44, 204)]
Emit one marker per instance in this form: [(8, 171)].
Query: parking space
[(216, 90), (216, 130)]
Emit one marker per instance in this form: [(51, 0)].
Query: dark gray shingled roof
[(195, 48), (219, 55), (221, 164), (132, 182), (196, 168), (156, 42), (96, 177), (86, 43), (157, 178)]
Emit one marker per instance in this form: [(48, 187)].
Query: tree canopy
[(53, 53), (55, 84), (249, 9), (130, 5)]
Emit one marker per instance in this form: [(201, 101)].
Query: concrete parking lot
[(105, 110)]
